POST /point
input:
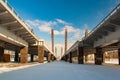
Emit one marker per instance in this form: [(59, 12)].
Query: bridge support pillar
[(32, 57), (1, 54), (119, 55), (16, 59), (52, 58), (80, 52), (49, 57), (86, 58), (66, 58), (24, 55), (70, 57), (40, 54), (98, 56)]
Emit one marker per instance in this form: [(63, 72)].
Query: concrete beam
[(16, 29), (3, 13), (107, 40), (19, 33), (10, 37), (89, 50), (8, 23), (114, 24)]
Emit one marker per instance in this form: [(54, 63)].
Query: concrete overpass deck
[(13, 29), (104, 37), (16, 35)]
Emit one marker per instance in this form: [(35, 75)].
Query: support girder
[(2, 13), (8, 23)]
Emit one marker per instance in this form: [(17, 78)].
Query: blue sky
[(76, 15)]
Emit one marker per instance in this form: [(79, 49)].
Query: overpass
[(16, 35), (104, 37)]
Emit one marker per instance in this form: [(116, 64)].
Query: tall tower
[(65, 40), (86, 33), (52, 39)]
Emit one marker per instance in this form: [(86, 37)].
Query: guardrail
[(15, 13)]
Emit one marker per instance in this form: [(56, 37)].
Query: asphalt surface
[(64, 71)]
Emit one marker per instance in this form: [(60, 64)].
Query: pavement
[(60, 70)]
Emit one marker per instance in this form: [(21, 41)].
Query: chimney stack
[(65, 40), (52, 39), (86, 33)]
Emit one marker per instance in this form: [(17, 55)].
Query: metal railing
[(15, 13)]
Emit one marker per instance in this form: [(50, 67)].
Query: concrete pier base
[(70, 57), (98, 56), (32, 57), (40, 54), (119, 55), (1, 54), (80, 52), (66, 58), (16, 59), (49, 57), (24, 55)]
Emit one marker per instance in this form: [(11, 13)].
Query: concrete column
[(119, 55), (1, 54), (52, 58), (70, 57), (32, 57), (66, 58), (40, 54), (49, 57), (98, 56), (24, 55), (86, 58), (16, 59), (80, 52)]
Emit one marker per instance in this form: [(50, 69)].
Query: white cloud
[(74, 34), (56, 32), (62, 22), (44, 26)]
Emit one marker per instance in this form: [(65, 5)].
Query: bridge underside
[(102, 41), (16, 36)]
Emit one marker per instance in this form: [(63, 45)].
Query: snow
[(8, 69), (64, 71)]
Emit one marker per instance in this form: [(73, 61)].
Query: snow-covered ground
[(64, 71), (4, 69)]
